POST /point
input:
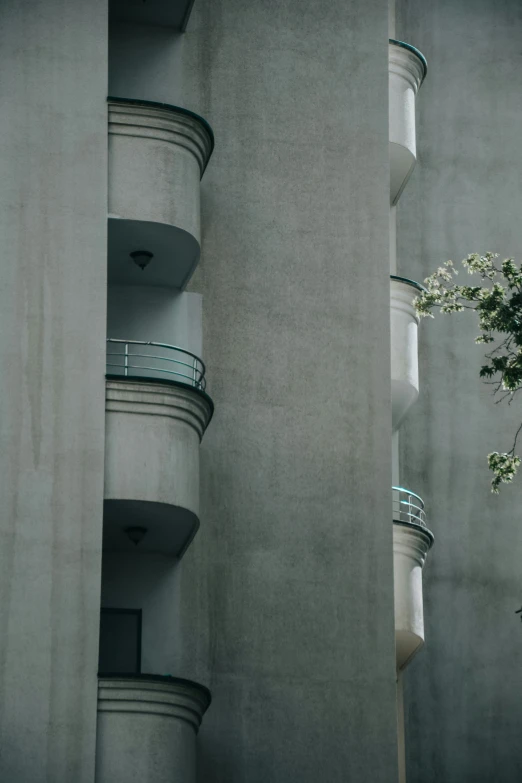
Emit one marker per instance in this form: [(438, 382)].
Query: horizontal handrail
[(408, 507), (188, 368)]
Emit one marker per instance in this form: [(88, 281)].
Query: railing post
[(126, 360)]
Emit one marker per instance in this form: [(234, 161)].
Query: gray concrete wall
[(147, 62), (286, 595), (287, 592), (53, 174), (157, 314), (463, 690)]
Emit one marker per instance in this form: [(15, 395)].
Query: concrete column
[(296, 470), (400, 725), (393, 240), (53, 203), (463, 706), (391, 19)]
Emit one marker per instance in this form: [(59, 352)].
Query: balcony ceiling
[(166, 13)]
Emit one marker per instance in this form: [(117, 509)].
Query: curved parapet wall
[(157, 156), (404, 326), (152, 435), (147, 728), (407, 69), (410, 546)]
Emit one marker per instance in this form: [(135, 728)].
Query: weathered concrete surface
[(463, 690), (287, 590), (53, 174), (157, 74), (147, 730)]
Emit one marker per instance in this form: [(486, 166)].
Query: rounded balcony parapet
[(411, 542), (157, 156), (404, 326), (407, 281), (406, 70), (162, 122), (153, 431), (154, 397), (146, 728), (153, 694), (402, 294), (407, 61)]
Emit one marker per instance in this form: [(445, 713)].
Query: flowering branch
[(499, 310)]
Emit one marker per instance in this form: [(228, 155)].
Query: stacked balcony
[(411, 542), (157, 157), (156, 413), (407, 69), (157, 410), (411, 537)]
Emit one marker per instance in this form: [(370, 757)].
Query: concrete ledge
[(147, 728)]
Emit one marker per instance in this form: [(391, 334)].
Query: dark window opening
[(120, 641)]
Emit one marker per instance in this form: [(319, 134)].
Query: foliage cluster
[(497, 302)]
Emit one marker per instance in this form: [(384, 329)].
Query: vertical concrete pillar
[(400, 728), (53, 174), (462, 695), (286, 594)]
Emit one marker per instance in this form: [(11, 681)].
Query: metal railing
[(139, 359), (408, 507)]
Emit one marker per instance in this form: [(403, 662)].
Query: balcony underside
[(407, 644), (169, 529), (402, 163), (175, 253), (404, 395), (165, 13)]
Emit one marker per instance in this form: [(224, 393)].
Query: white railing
[(408, 507), (139, 359)]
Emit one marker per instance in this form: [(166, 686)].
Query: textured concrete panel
[(463, 690), (53, 175), (287, 591)]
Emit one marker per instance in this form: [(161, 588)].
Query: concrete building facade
[(208, 377), (461, 693)]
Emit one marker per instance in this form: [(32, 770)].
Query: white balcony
[(411, 542), (407, 69), (404, 327), (156, 414), (157, 156), (147, 728)]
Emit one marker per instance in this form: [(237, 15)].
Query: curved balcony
[(404, 327), (156, 414), (157, 156), (411, 542), (147, 728), (407, 68)]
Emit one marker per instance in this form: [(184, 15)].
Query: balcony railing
[(139, 359), (408, 507)]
